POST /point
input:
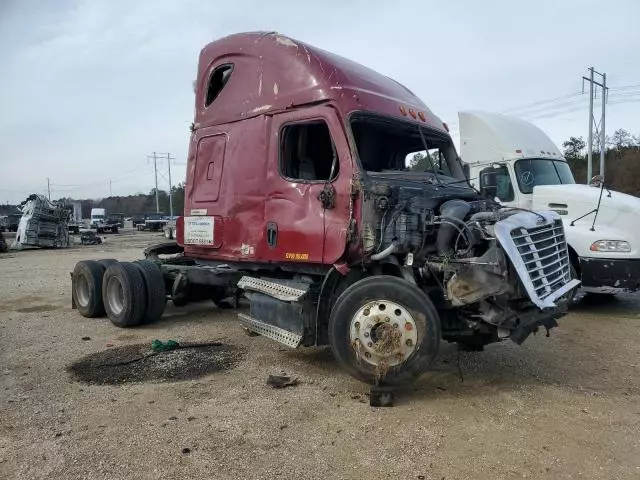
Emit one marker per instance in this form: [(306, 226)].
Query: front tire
[(384, 330)]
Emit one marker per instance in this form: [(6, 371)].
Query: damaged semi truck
[(301, 197)]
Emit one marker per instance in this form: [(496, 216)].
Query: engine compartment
[(446, 236)]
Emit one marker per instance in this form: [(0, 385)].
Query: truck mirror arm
[(595, 211)]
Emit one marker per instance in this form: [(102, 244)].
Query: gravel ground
[(567, 406)]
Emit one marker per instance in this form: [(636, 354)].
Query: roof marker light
[(403, 110), (422, 117), (412, 112)]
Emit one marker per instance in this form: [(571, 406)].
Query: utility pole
[(170, 186), (599, 129), (48, 188), (590, 144), (165, 174), (602, 129), (110, 189), (155, 169)]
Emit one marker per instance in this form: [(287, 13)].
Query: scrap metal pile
[(43, 224)]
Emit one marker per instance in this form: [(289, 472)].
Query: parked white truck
[(515, 161), (101, 223)]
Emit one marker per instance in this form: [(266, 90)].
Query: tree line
[(622, 161)]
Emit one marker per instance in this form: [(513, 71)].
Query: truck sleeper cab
[(528, 171), (333, 199)]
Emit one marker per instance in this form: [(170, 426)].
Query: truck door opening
[(308, 153)]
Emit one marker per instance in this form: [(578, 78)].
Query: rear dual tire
[(86, 288), (129, 293), (124, 294), (154, 284)]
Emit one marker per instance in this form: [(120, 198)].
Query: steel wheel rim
[(115, 295), (383, 333), (82, 291)]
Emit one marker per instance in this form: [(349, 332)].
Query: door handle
[(272, 234)]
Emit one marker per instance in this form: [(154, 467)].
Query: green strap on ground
[(160, 346)]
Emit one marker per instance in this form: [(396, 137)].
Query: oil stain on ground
[(139, 363)]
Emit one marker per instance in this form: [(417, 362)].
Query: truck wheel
[(168, 234), (86, 288), (107, 262), (123, 291), (384, 330), (156, 295)]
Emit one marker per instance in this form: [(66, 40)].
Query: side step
[(278, 334), (279, 290)]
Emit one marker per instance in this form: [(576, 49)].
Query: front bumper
[(610, 275)]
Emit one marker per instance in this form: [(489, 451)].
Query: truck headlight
[(610, 246)]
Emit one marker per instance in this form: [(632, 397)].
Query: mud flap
[(73, 297)]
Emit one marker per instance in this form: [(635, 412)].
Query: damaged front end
[(522, 280), (492, 272)]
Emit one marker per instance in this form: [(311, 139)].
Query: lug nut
[(366, 334), (369, 344), (386, 319), (357, 325), (409, 342), (367, 354), (395, 325), (366, 311)]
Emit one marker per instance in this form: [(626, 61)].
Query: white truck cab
[(519, 164), (98, 217)]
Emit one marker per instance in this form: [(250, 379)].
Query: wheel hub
[(115, 295), (82, 291), (383, 333)]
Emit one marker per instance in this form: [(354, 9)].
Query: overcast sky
[(88, 88)]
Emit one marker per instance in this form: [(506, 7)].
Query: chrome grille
[(544, 253)]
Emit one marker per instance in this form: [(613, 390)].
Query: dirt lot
[(567, 406)]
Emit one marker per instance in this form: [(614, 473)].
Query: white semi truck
[(515, 161), (101, 222)]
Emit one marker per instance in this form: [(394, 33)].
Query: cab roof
[(272, 72), (491, 137)]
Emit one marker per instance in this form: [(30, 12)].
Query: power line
[(625, 87), (118, 178), (541, 102)]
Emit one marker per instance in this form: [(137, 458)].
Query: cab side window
[(307, 152), (504, 185)]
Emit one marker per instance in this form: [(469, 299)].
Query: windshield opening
[(389, 146), (540, 171)]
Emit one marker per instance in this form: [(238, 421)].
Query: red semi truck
[(302, 196)]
